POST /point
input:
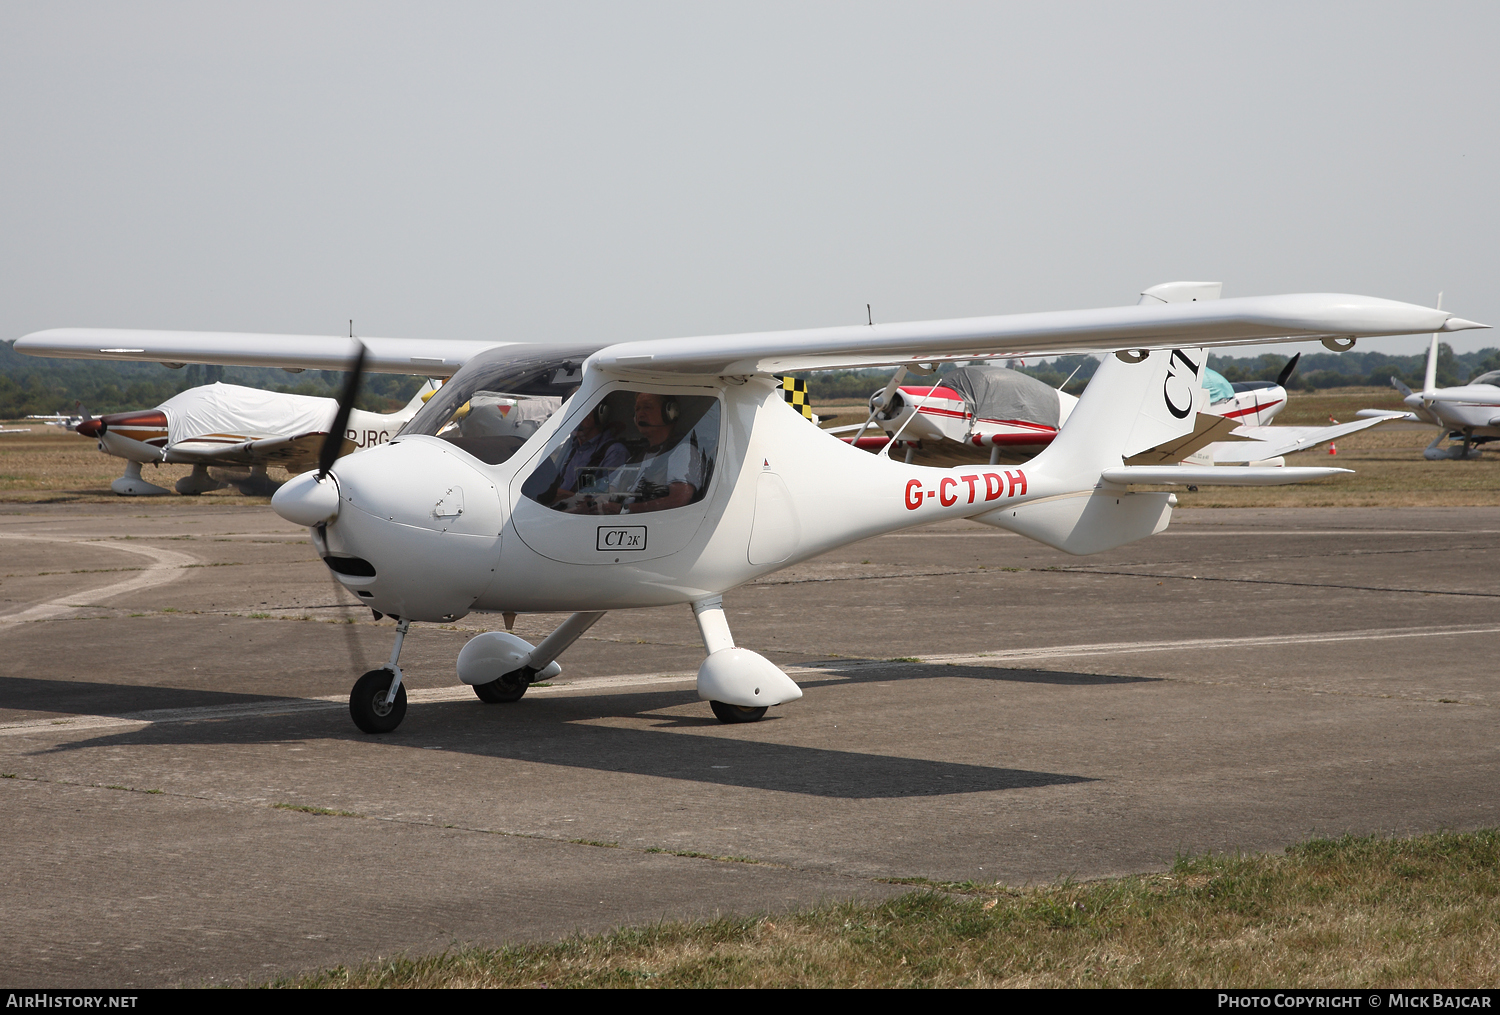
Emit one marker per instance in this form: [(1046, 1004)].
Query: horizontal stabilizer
[(1387, 414), (1208, 430), (1262, 442), (1211, 475)]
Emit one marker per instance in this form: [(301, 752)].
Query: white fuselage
[(451, 534), (1471, 407)]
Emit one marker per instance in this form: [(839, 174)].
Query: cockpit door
[(630, 475)]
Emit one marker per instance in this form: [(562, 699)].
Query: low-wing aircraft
[(676, 472), (58, 419), (1469, 413), (1015, 416), (231, 425)]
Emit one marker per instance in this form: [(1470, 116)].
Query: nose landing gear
[(377, 704)]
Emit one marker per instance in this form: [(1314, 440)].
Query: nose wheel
[(378, 702), (371, 706)]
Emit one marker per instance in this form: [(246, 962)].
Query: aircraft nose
[(417, 529), (90, 427)]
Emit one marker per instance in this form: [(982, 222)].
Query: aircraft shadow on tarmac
[(863, 672), (566, 731), (83, 697)]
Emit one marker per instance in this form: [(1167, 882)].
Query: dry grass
[(49, 465), (1352, 912)]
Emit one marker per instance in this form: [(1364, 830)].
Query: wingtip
[(1459, 324)]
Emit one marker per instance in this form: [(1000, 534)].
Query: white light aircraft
[(1015, 416), (231, 425), (676, 472), (1469, 412)]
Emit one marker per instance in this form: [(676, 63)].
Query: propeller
[(329, 453), (880, 403), (1286, 371)]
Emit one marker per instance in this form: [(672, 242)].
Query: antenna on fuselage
[(869, 316)]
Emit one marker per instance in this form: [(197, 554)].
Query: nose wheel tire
[(737, 713), (508, 688), (367, 704)]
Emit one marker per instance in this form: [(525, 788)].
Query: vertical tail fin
[(1129, 407), (1429, 382)]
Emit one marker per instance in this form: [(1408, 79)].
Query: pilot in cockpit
[(661, 475)]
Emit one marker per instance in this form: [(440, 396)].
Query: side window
[(633, 452)]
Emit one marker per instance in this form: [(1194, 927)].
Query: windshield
[(1491, 378), (500, 398)]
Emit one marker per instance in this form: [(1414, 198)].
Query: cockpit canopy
[(501, 397), (1492, 378)]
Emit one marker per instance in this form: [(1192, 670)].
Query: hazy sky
[(631, 170)]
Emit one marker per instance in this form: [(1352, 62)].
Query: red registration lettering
[(994, 486), (971, 480), (943, 497), (913, 494), (1017, 478)]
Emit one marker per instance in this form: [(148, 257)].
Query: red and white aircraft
[(1015, 416)]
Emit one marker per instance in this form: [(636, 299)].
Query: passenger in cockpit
[(593, 451)]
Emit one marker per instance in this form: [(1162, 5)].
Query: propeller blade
[(1286, 371), (335, 439), (877, 406)]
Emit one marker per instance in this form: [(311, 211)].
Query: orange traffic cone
[(1333, 448)]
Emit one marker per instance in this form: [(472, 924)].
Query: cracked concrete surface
[(174, 677)]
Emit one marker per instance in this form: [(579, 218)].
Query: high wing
[(1243, 321), (429, 357), (1264, 442)]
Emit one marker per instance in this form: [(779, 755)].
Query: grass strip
[(1352, 912)]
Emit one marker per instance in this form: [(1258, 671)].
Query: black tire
[(737, 713), (508, 688), (367, 702)]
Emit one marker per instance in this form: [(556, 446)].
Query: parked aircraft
[(58, 419), (1015, 416), (230, 425), (1469, 413), (722, 482)]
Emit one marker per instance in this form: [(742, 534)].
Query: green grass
[(1351, 912), (326, 811)]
